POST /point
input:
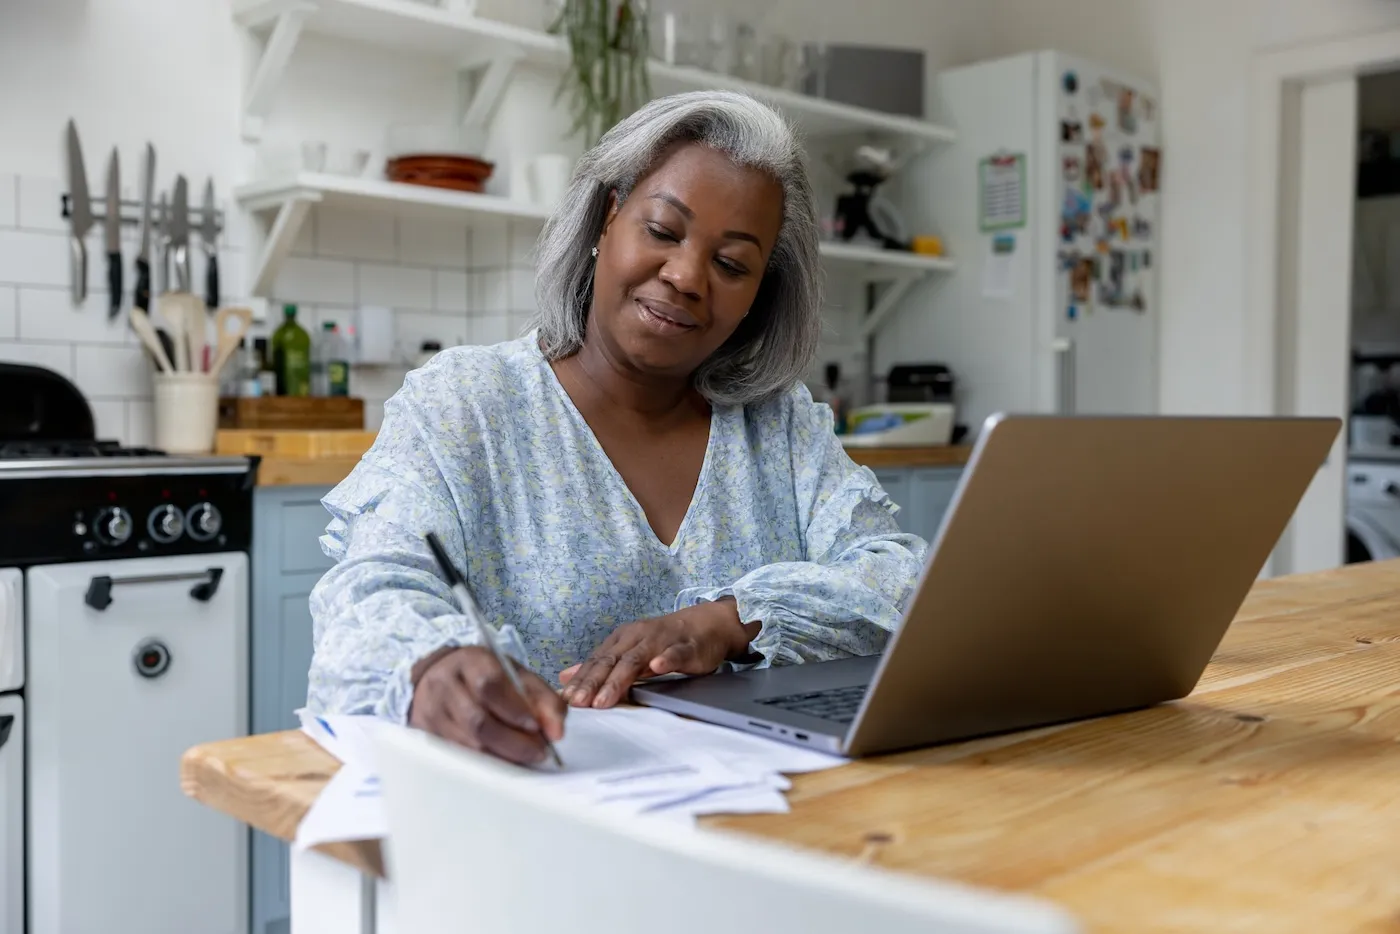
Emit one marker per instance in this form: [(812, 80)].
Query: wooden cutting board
[(330, 443)]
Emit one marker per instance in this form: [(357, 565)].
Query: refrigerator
[(1048, 201)]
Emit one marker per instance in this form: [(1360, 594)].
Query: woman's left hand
[(693, 641)]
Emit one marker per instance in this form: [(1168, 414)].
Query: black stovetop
[(64, 450)]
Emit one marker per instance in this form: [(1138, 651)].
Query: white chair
[(471, 848)]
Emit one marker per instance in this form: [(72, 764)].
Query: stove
[(124, 600)]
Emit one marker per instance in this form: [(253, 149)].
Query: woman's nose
[(684, 270)]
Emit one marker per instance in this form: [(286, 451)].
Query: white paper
[(999, 267), (348, 808), (641, 761)]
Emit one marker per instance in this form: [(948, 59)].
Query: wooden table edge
[(206, 777)]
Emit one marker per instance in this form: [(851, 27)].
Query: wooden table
[(1269, 800)]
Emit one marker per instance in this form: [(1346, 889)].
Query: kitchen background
[(187, 101)]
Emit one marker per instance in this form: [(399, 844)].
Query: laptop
[(1087, 565)]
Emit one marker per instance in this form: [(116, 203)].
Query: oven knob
[(165, 524), (113, 526), (204, 522)]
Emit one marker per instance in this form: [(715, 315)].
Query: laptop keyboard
[(839, 705)]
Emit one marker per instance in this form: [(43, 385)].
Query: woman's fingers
[(631, 665), (549, 708), (595, 670), (681, 657), (467, 699)]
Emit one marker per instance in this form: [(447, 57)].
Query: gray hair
[(775, 343)]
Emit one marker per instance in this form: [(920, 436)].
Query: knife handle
[(211, 282), (78, 269), (114, 282), (142, 297)]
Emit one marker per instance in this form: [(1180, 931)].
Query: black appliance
[(66, 495)]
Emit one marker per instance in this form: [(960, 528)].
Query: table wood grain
[(1268, 800)]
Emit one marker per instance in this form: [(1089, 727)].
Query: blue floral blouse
[(484, 447)]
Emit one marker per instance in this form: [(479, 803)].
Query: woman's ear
[(614, 206)]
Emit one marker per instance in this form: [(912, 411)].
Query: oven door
[(11, 629), (131, 663), (11, 813)]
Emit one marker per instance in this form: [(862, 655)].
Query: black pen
[(473, 613)]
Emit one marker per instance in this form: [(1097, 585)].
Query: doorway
[(1304, 208), (1373, 451)]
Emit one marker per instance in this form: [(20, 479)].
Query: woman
[(639, 486)]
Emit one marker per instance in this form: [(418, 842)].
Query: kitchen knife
[(80, 217), (180, 233), (141, 298), (113, 224), (208, 235), (163, 243)]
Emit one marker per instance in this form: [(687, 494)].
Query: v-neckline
[(601, 452)]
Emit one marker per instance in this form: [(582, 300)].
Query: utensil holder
[(186, 412)]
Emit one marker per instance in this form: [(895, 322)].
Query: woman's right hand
[(463, 695)]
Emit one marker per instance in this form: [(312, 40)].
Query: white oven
[(11, 752)]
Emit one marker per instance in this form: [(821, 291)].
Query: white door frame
[(1276, 78)]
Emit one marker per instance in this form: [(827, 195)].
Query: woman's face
[(679, 263)]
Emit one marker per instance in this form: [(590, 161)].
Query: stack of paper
[(638, 760)]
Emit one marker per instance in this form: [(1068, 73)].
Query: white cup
[(549, 178), (186, 412)]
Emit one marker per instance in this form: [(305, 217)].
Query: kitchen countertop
[(947, 455), (1266, 801), (279, 468)]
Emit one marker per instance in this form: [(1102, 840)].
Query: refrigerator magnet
[(1127, 120), (1094, 165), (1146, 259), (1142, 228), (1081, 279), (1071, 131), (1149, 166), (1070, 82), (1071, 312), (1071, 168)]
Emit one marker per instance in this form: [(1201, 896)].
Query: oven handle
[(99, 592), (6, 722)]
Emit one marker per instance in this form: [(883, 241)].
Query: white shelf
[(475, 42), (289, 198), (377, 194), (877, 263)]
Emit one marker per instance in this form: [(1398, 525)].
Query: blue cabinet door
[(895, 482), (931, 492), (287, 563)]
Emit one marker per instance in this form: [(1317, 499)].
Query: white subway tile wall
[(445, 282)]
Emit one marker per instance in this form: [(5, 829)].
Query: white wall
[(1199, 53), (171, 72)]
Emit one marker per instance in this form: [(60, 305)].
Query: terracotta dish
[(460, 173)]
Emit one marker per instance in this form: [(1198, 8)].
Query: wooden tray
[(292, 443), (292, 412)]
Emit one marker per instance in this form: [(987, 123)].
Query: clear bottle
[(291, 355), (267, 376), (249, 367), (335, 361), (319, 388)]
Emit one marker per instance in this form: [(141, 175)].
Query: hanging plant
[(606, 78)]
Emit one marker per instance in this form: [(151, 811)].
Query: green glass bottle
[(291, 354)]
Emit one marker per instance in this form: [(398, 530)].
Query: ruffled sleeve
[(384, 605), (860, 569)]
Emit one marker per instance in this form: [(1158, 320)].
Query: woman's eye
[(661, 233), (731, 268)]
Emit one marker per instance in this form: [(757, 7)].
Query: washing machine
[(1373, 510)]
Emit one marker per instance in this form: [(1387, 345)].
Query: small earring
[(595, 252)]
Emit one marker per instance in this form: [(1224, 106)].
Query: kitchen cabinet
[(923, 495), (287, 563)]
